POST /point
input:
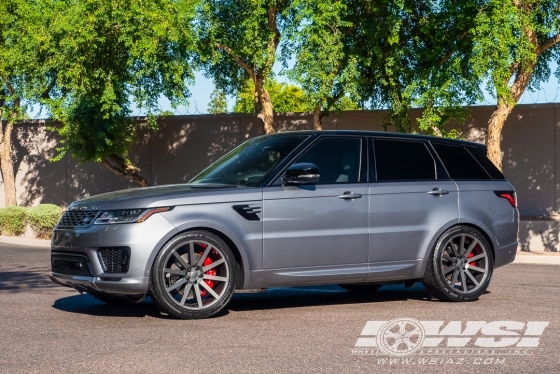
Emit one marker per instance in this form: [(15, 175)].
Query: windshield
[(248, 164)]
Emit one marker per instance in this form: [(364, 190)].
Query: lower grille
[(114, 260), (70, 264)]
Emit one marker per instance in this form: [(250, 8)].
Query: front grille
[(70, 265), (114, 260), (77, 218)]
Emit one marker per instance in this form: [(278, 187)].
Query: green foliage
[(112, 51), (218, 102), (286, 98), (12, 220), (43, 218), (242, 27)]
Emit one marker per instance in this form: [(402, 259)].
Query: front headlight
[(127, 215)]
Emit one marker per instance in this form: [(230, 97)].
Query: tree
[(285, 98), (26, 49), (218, 102), (112, 51), (320, 39), (239, 41), (514, 42)]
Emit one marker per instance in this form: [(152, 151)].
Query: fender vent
[(248, 212)]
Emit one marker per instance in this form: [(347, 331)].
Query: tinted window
[(249, 163), (486, 163), (338, 159), (403, 160), (460, 164)]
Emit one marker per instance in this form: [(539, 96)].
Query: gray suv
[(358, 209)]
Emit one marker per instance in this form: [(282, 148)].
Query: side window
[(401, 160), (338, 159), (460, 164)]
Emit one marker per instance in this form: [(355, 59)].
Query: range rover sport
[(358, 209)]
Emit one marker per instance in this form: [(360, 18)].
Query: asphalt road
[(45, 328)]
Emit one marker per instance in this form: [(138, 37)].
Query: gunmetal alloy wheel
[(193, 276), (460, 266)]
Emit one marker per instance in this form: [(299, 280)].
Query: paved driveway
[(45, 328)]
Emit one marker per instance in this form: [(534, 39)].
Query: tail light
[(508, 195)]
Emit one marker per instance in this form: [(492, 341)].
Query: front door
[(318, 232)]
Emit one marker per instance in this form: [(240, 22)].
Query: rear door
[(411, 200), (318, 232)]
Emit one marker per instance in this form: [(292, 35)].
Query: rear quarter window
[(460, 163)]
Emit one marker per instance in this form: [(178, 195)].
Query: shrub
[(12, 220), (43, 218)]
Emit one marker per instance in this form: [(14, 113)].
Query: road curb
[(29, 242), (537, 259)]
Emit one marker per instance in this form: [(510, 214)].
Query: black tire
[(167, 266), (446, 260), (115, 300), (361, 287)]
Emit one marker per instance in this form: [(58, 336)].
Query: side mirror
[(301, 173)]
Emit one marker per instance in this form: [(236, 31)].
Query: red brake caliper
[(475, 263), (207, 261)]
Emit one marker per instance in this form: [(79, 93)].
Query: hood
[(168, 195)]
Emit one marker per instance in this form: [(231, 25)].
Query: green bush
[(12, 220), (43, 218)]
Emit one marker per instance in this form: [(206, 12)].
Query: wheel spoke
[(177, 284), (175, 271), (462, 245), (181, 260), (474, 258), (210, 290), (449, 258), (204, 255), (455, 253), (213, 265), (197, 292), (214, 277), (464, 281), (471, 247), (186, 292), (473, 279), (454, 280), (476, 268), (191, 253), (448, 269)]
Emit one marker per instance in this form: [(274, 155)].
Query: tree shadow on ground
[(32, 278)]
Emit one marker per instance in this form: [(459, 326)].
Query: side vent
[(248, 212)]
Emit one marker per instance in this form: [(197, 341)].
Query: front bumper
[(144, 240)]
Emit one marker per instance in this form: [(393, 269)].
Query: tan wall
[(184, 145)]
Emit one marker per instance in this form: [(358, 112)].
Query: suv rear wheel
[(193, 276), (460, 265)]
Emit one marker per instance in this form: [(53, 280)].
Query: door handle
[(350, 196), (438, 192)]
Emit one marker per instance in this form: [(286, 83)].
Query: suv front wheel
[(193, 276), (460, 265)]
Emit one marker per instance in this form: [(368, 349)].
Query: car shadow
[(296, 297), (274, 298)]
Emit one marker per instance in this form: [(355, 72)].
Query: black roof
[(386, 134)]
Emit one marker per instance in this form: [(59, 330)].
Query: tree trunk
[(121, 167), (494, 133), (317, 125), (263, 106), (7, 165)]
